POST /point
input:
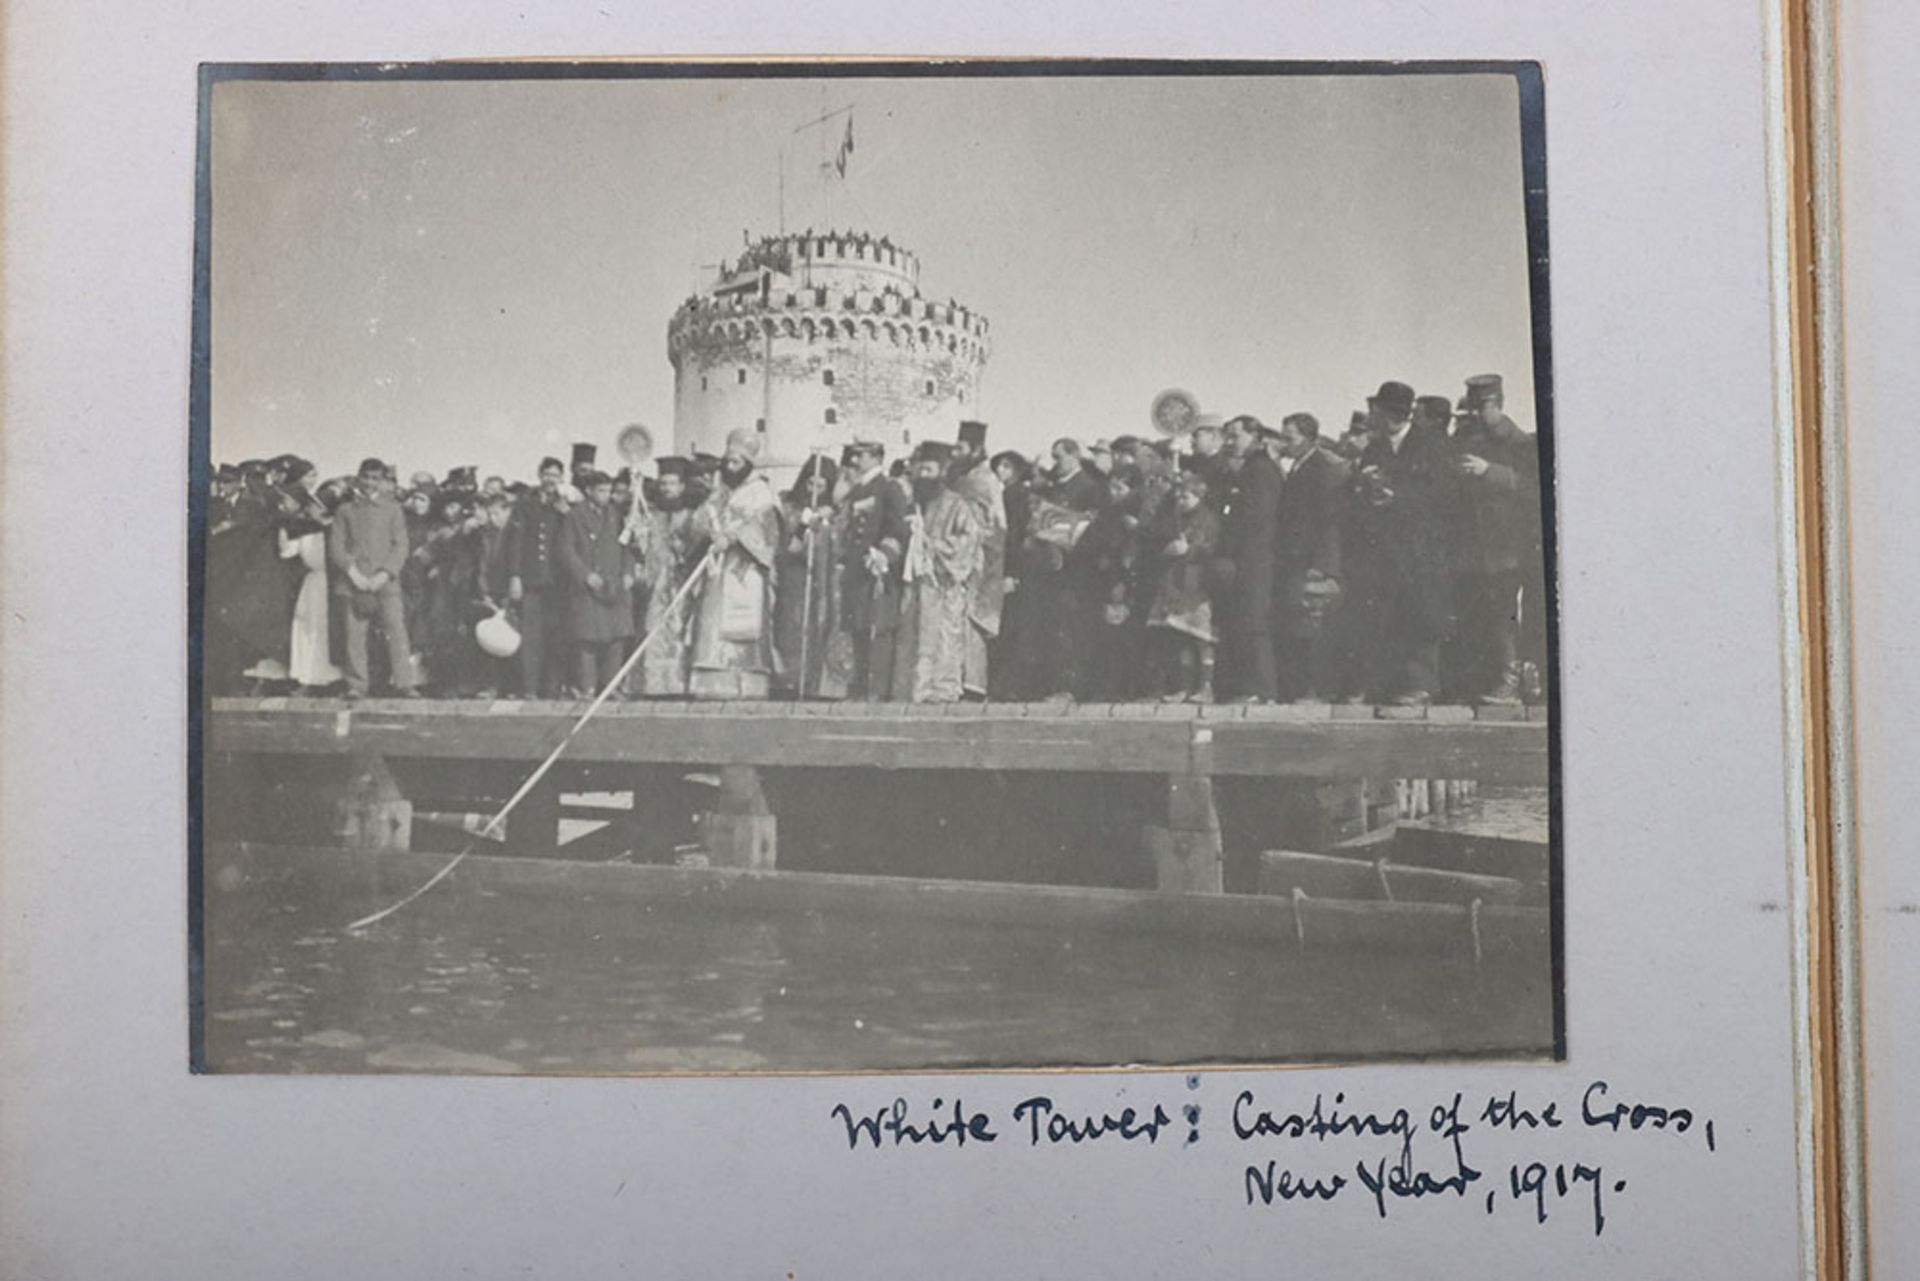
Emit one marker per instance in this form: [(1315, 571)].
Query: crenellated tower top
[(814, 338)]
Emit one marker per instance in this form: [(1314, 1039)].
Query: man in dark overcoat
[(599, 578), (1249, 527), (1497, 527), (875, 550), (1311, 576), (1401, 560), (534, 585)]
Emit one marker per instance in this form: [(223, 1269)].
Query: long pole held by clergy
[(810, 477)]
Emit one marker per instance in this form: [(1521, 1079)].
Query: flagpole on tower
[(831, 166)]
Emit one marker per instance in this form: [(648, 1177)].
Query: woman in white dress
[(304, 536)]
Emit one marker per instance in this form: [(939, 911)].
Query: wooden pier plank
[(1219, 741)]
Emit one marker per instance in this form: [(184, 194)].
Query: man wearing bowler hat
[(1312, 501), (1401, 564)]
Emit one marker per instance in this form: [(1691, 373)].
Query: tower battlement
[(815, 338)]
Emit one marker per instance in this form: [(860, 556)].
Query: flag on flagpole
[(846, 149)]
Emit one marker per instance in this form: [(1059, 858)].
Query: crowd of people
[(1398, 563)]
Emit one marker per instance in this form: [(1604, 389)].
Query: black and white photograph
[(803, 567)]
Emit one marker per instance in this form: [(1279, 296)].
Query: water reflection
[(475, 980)]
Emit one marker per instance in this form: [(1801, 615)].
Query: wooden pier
[(358, 748)]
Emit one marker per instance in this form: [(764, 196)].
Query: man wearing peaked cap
[(1481, 389), (1206, 458), (367, 550), (1496, 531), (1309, 641), (875, 549), (536, 585)]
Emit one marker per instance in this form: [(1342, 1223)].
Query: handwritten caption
[(1327, 1150)]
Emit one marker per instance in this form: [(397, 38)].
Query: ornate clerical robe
[(943, 565), (733, 653), (983, 488), (665, 548)]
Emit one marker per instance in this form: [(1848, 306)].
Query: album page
[(1158, 649)]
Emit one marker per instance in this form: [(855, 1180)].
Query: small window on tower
[(760, 425), (929, 386), (832, 417), (743, 380), (703, 382), (826, 377)]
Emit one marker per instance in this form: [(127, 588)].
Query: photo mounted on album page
[(830, 567)]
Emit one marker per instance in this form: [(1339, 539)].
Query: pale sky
[(443, 273)]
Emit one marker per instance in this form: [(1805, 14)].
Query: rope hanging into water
[(540, 771)]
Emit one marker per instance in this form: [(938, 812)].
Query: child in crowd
[(1180, 623)]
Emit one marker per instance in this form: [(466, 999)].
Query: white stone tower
[(813, 339)]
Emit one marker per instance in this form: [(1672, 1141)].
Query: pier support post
[(368, 812), (740, 829), (1187, 852), (533, 829)]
